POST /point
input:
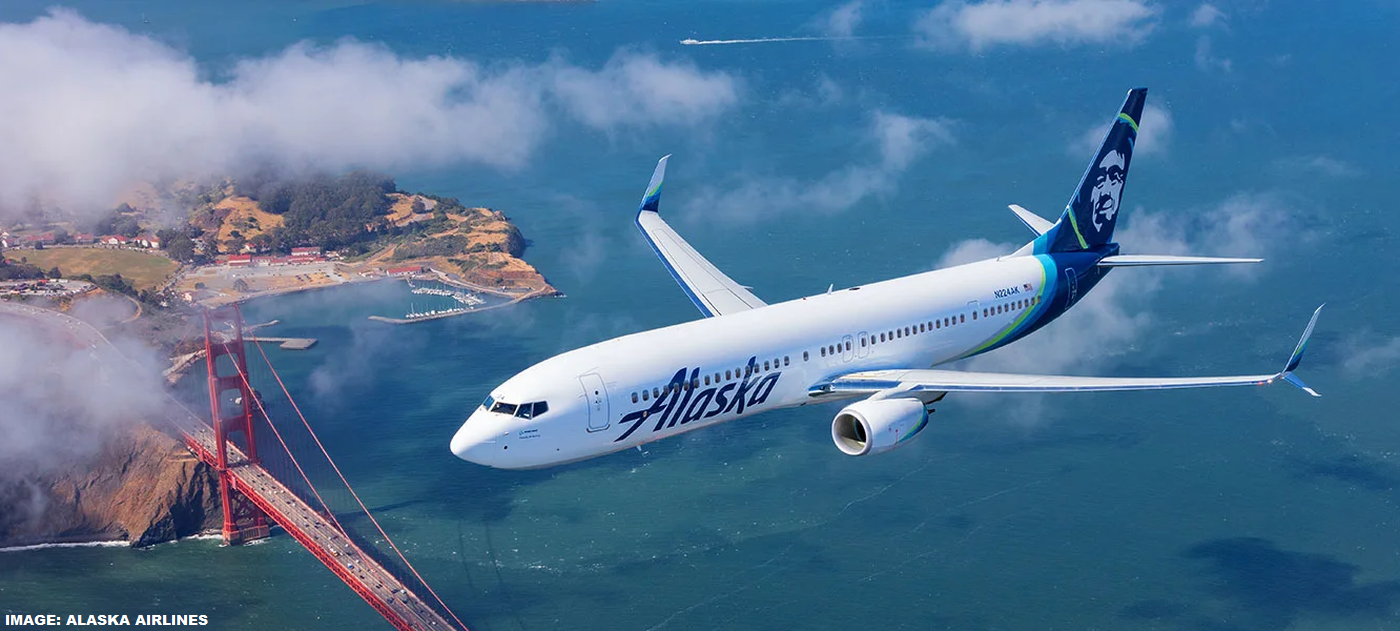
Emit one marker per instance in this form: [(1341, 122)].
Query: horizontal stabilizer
[(1146, 260), (1039, 225)]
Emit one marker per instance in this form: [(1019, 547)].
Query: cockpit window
[(524, 410), (488, 403)]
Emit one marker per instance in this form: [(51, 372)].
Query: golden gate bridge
[(259, 489)]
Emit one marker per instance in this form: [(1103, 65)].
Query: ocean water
[(1227, 509)]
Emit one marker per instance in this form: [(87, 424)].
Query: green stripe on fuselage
[(1040, 307)]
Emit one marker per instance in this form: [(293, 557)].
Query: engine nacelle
[(876, 426)]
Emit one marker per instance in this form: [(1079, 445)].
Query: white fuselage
[(642, 387)]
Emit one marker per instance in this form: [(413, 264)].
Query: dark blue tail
[(1091, 214)]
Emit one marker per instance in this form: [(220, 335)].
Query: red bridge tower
[(231, 405)]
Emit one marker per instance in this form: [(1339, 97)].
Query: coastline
[(109, 543)]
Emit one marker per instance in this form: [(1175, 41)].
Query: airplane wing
[(898, 382), (711, 291)]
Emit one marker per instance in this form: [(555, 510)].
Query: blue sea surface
[(1246, 509)]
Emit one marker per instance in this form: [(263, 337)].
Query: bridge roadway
[(400, 606)]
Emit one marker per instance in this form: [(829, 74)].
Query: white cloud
[(94, 108), (1206, 60), (845, 19), (955, 24), (635, 89), (1207, 15), (1367, 356), (971, 251), (899, 141), (1326, 165), (62, 398), (1154, 135)]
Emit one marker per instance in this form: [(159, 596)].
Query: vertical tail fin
[(1089, 217)]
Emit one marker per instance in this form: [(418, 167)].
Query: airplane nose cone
[(462, 443), (475, 441)]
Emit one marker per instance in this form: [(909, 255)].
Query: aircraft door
[(595, 396), (862, 344), (848, 346)]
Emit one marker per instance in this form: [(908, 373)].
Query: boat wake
[(761, 40)]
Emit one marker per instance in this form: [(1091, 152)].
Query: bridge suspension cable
[(340, 475), (256, 399)]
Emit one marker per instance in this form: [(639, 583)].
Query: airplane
[(878, 343)]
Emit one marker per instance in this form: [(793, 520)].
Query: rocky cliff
[(142, 487)]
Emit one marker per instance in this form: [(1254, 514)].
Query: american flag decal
[(1027, 287)]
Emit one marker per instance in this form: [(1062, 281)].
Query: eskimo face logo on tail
[(680, 403), (1108, 187)]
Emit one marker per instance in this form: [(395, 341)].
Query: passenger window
[(656, 393), (645, 394), (848, 345), (823, 351), (937, 324), (707, 380), (785, 360), (765, 364), (728, 375), (634, 397), (695, 383)]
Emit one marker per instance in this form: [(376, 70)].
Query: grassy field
[(144, 271)]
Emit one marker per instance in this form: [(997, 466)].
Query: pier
[(288, 343)]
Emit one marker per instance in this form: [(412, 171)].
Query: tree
[(62, 237), (417, 206), (240, 285), (166, 236), (235, 242), (180, 248), (55, 273)]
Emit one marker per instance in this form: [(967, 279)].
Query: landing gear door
[(595, 396)]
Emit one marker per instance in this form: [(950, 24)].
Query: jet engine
[(875, 426)]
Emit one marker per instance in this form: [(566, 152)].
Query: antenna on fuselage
[(830, 287)]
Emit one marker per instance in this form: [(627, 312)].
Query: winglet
[(1297, 356), (652, 199)]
